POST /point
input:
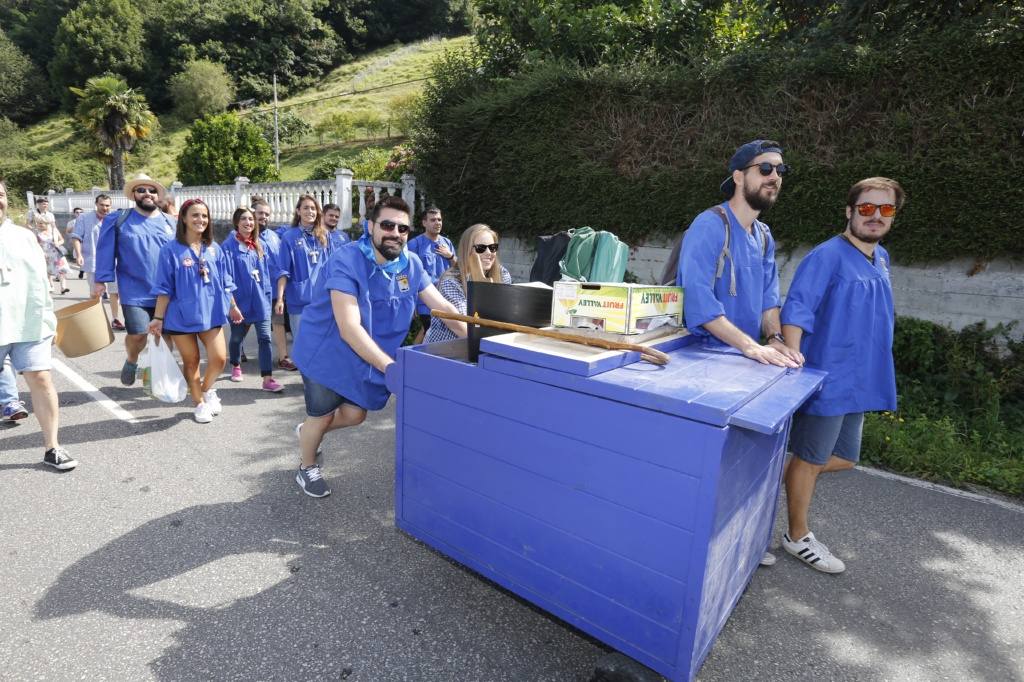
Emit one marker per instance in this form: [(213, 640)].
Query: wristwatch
[(777, 337)]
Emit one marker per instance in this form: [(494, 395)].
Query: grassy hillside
[(394, 64)]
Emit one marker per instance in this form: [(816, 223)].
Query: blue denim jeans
[(8, 386), (238, 332)]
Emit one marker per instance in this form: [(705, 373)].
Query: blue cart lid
[(711, 384)]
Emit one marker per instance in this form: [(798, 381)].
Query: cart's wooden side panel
[(584, 505)]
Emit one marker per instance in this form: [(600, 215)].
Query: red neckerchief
[(250, 242)]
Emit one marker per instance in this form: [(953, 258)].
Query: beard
[(758, 201), (389, 247), (864, 235), (146, 204)]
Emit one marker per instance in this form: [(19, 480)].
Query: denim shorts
[(29, 356), (320, 400), (137, 318), (815, 439)]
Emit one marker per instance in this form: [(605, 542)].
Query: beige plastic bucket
[(83, 328)]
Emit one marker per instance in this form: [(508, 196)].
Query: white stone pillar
[(343, 195), (362, 205), (241, 192), (176, 193), (409, 190)]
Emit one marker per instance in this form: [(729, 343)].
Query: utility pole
[(277, 142)]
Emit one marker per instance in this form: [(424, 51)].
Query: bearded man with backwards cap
[(727, 264), (127, 249)]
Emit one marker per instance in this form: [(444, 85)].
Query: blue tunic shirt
[(138, 247), (195, 305), (757, 277), (844, 304), (252, 277), (300, 259), (386, 305), (338, 238), (87, 230), (433, 262)]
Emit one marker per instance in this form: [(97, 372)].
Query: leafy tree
[(291, 128), (23, 92), (32, 24), (252, 38), (339, 125), (512, 32), (409, 20), (117, 116), (222, 147), (99, 37), (402, 112), (200, 89), (368, 164), (370, 122)]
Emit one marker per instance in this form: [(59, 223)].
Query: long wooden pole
[(651, 355)]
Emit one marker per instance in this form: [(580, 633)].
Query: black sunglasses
[(146, 190), (766, 168), (480, 248), (390, 225)]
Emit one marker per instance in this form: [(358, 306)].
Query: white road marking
[(93, 392), (927, 485)]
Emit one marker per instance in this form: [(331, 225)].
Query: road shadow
[(283, 586), (927, 594)]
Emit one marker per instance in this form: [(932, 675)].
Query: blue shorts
[(137, 318), (815, 439), (320, 400), (29, 356)]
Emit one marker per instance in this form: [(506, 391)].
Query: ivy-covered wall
[(640, 150)]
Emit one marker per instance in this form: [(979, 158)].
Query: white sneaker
[(203, 413), (813, 553), (768, 559), (213, 400)]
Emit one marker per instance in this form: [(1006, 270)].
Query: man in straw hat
[(27, 326), (128, 246)]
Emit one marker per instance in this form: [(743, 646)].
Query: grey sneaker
[(128, 372), (58, 458), (312, 482), (814, 553)]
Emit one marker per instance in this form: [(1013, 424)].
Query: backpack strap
[(122, 216), (725, 253)]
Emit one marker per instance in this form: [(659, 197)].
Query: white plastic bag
[(142, 372), (169, 384)]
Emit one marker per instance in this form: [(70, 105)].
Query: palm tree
[(117, 116)]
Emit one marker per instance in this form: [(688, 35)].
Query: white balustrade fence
[(282, 196)]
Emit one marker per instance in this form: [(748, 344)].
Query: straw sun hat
[(143, 179)]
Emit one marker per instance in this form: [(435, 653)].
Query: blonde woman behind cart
[(194, 300), (477, 262)]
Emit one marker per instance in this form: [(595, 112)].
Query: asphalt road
[(181, 551)]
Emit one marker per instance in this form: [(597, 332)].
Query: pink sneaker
[(271, 386), (236, 374)]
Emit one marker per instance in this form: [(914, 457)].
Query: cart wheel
[(616, 667)]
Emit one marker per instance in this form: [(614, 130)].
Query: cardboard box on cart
[(616, 307)]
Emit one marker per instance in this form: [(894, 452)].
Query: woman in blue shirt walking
[(249, 255), (194, 300), (304, 250)]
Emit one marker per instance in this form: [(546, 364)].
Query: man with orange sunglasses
[(839, 313)]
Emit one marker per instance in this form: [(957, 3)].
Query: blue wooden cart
[(632, 501)]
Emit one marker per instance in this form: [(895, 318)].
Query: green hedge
[(638, 150), (961, 407)]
